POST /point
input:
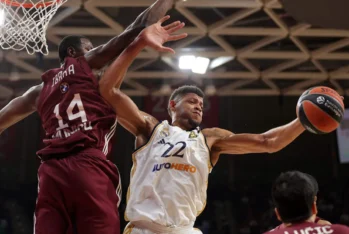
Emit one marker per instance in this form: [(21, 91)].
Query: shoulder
[(32, 95), (218, 133), (151, 123), (34, 91), (341, 229), (149, 118), (213, 136), (322, 222)]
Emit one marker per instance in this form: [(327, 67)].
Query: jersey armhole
[(208, 148), (152, 134)]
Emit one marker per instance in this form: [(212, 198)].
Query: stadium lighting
[(2, 17), (200, 65), (186, 62), (197, 65)]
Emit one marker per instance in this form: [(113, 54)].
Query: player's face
[(86, 45), (190, 107)]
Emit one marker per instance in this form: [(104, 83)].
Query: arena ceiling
[(254, 46)]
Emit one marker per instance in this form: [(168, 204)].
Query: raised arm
[(129, 116), (102, 55), (224, 142), (127, 112), (19, 108), (154, 36)]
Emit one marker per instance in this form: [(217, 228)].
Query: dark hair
[(69, 41), (185, 89), (293, 194)]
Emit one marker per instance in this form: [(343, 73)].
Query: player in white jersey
[(172, 161)]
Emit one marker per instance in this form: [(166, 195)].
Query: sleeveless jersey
[(169, 177), (74, 115)]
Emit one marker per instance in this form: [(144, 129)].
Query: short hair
[(69, 41), (293, 194), (185, 89)]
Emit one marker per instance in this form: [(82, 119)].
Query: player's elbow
[(106, 91), (115, 95), (269, 144)]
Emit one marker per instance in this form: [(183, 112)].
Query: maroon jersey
[(281, 226), (310, 228), (73, 113)]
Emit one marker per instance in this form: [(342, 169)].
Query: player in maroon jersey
[(294, 194), (78, 186)]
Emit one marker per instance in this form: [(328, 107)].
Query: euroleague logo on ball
[(320, 100)]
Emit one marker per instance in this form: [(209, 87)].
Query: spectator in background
[(294, 194)]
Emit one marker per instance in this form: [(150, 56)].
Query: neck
[(183, 124), (310, 220)]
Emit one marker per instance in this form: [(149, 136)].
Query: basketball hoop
[(23, 24)]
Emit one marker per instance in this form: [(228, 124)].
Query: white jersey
[(169, 177)]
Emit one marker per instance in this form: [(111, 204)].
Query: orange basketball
[(320, 110)]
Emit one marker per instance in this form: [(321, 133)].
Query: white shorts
[(150, 228)]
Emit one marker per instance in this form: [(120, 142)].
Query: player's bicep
[(241, 144), (19, 108), (130, 127)]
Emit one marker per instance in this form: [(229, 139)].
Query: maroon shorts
[(78, 193)]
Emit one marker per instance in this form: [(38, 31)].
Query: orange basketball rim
[(29, 5)]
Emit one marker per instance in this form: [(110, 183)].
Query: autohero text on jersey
[(174, 166)]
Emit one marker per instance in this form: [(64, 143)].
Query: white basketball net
[(25, 28)]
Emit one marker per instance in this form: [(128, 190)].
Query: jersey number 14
[(71, 116)]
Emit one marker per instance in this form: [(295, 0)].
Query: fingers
[(174, 24), (175, 28), (166, 50), (177, 37), (165, 18)]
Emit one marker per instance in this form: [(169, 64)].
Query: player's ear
[(71, 51), (277, 214), (172, 105)]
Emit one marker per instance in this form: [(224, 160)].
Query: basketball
[(320, 110)]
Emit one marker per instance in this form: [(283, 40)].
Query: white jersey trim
[(108, 136)]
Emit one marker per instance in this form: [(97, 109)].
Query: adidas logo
[(162, 142)]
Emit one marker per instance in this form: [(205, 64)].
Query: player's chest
[(176, 145)]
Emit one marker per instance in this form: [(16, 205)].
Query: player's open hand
[(156, 35)]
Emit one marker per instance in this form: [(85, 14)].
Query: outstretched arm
[(19, 108), (224, 142), (102, 55), (127, 112), (154, 36)]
